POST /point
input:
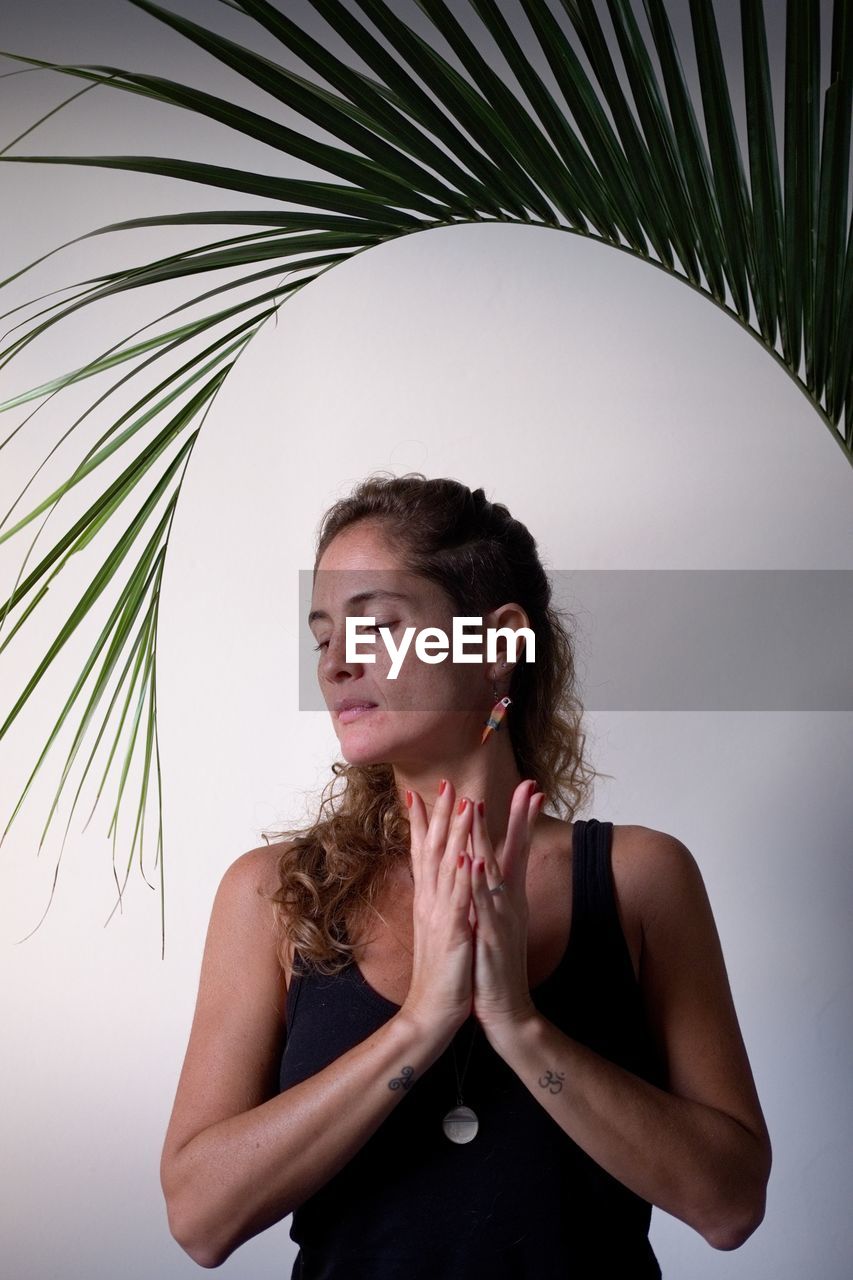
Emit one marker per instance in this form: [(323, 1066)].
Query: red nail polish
[(441, 786), (481, 807), (408, 798), (462, 804)]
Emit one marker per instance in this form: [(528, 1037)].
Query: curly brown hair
[(330, 873)]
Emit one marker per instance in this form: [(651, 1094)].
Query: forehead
[(362, 546), (359, 573)]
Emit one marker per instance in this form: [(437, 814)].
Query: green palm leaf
[(618, 155)]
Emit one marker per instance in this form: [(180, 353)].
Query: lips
[(355, 710), (350, 708)]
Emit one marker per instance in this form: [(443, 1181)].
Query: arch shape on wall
[(560, 137)]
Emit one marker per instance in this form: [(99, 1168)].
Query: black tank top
[(521, 1200)]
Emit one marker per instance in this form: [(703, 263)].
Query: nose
[(333, 663)]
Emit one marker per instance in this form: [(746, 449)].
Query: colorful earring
[(498, 712)]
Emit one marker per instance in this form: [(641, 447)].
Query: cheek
[(448, 690), (421, 689), (428, 688)]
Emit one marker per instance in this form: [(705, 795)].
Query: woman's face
[(429, 710)]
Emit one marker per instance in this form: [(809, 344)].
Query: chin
[(364, 757), (359, 749), (376, 748)]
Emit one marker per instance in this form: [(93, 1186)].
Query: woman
[(472, 1038)]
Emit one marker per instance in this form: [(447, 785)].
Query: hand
[(501, 987), (440, 992)]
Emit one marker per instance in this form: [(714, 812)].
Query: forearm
[(689, 1159), (246, 1173)]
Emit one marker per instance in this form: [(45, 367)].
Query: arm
[(248, 1172), (700, 1152), (238, 1154)]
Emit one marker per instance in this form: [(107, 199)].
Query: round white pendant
[(460, 1124)]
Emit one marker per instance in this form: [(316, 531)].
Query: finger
[(537, 803), (483, 848), (516, 839), (417, 830), (435, 835), (534, 807), (484, 901), (461, 899), (419, 823), (457, 841)]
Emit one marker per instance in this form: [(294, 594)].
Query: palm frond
[(623, 154)]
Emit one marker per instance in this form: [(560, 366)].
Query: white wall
[(632, 425)]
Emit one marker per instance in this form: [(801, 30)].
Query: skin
[(700, 1150), (238, 1155), (428, 726), (430, 718)]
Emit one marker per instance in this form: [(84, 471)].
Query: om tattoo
[(553, 1080)]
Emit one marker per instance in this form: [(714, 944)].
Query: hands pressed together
[(471, 944)]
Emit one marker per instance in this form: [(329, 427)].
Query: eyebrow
[(359, 598)]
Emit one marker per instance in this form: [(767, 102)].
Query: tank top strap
[(596, 925), (592, 887), (294, 987)]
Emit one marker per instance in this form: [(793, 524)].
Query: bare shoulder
[(645, 864), (655, 876), (257, 873), (244, 920), (260, 866)]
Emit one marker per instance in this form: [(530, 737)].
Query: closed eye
[(323, 643)]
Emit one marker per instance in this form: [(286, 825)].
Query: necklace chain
[(467, 1061)]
